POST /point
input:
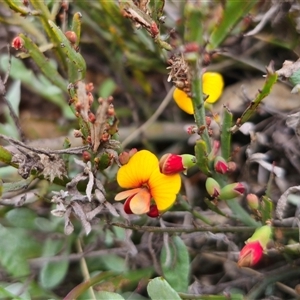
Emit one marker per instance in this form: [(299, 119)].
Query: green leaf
[(38, 84), (107, 88), (22, 218), (266, 209), (76, 63), (17, 185), (177, 270), (202, 156), (158, 289), (226, 134), (15, 289), (14, 96), (82, 287), (233, 13), (40, 59), (18, 246), (53, 273), (5, 294), (76, 26), (271, 79), (103, 295), (241, 214), (5, 156)]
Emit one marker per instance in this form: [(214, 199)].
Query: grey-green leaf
[(158, 289), (176, 270)]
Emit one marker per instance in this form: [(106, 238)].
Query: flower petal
[(138, 170), (140, 203), (126, 194), (163, 189), (213, 84), (183, 101)]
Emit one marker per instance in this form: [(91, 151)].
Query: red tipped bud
[(89, 87), (212, 187), (262, 235), (172, 163), (214, 151), (17, 43), (251, 254), (86, 156), (125, 156), (111, 110), (232, 166), (192, 130), (154, 29), (132, 152), (77, 133), (232, 191), (153, 212), (191, 47), (253, 201), (208, 120), (71, 36), (220, 165), (92, 117)]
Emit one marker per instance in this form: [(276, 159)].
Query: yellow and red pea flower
[(150, 191), (213, 85)]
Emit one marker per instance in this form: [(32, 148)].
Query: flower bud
[(251, 254), (17, 43), (126, 155), (172, 163), (212, 187), (253, 201), (232, 191), (220, 165), (123, 158), (262, 235), (153, 212), (71, 36), (86, 156)]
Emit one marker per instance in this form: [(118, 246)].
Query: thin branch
[(75, 150), (189, 229), (151, 120)]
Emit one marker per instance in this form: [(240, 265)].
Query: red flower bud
[(17, 43), (220, 165), (153, 212), (232, 191), (71, 36), (212, 187), (251, 254), (125, 156), (253, 201), (171, 164), (86, 156)]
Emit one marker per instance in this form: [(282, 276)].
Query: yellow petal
[(213, 84), (183, 101), (140, 203), (138, 170), (126, 194), (164, 188)]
